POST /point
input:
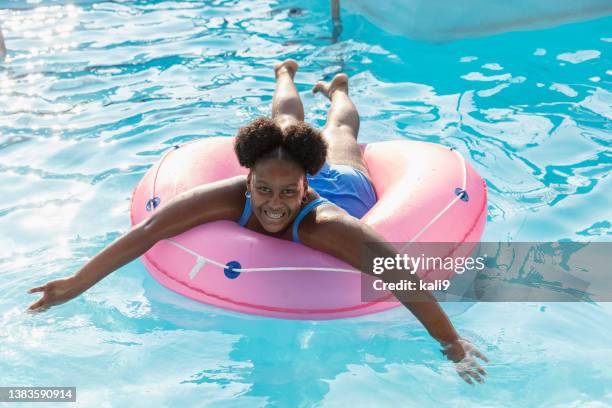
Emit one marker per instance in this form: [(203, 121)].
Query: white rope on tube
[(445, 209), (202, 260)]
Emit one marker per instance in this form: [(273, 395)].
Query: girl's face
[(277, 187)]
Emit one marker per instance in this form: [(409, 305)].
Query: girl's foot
[(339, 83), (289, 66)]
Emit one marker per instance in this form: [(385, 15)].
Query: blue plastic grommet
[(452, 148), (229, 269), (463, 195), (153, 203)]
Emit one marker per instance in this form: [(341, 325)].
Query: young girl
[(302, 185)]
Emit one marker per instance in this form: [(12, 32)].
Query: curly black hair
[(263, 138)]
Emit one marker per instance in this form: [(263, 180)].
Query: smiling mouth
[(274, 215)]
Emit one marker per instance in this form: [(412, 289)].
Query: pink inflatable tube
[(426, 193)]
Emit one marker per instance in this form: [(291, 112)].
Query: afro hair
[(263, 138)]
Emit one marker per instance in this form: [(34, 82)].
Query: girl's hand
[(463, 354), (54, 293)]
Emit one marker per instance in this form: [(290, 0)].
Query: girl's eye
[(263, 189), (289, 192)]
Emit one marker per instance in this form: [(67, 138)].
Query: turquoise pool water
[(92, 93)]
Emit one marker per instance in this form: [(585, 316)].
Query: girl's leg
[(287, 107), (342, 125)]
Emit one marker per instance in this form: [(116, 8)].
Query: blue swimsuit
[(337, 184), (346, 187)]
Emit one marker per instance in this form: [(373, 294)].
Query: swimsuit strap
[(303, 213), (246, 213)]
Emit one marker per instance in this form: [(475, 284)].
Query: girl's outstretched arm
[(332, 231), (124, 249), (210, 202)]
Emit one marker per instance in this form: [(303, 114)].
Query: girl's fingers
[(476, 376), (478, 368), (466, 377), (36, 305), (482, 371), (37, 289), (480, 355)]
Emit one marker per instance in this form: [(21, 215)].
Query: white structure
[(447, 20), (2, 46)]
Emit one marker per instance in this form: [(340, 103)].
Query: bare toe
[(288, 65), (322, 87), (340, 82)]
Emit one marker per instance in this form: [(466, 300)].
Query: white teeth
[(274, 215)]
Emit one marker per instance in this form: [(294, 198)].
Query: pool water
[(92, 93)]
